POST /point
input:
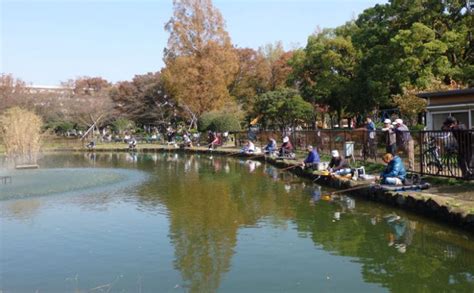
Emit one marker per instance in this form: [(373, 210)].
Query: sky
[(44, 42)]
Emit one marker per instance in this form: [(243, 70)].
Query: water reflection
[(212, 202)]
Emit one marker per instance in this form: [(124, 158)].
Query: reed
[(20, 132)]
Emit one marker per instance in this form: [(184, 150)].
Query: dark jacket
[(394, 169), (403, 135), (338, 163)]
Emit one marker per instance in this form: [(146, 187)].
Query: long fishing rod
[(350, 189)]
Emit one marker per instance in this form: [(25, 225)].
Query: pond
[(168, 222)]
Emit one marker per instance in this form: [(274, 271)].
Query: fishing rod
[(350, 189)]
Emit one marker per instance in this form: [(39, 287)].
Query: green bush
[(205, 121), (123, 124), (225, 122), (417, 127), (218, 122)]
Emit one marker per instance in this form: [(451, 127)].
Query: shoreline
[(447, 210)]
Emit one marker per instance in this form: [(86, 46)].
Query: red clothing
[(287, 146)]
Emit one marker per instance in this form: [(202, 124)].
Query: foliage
[(408, 43), (283, 108), (143, 100), (60, 126), (251, 78), (21, 134), (122, 124), (225, 122), (324, 70), (410, 104), (200, 60), (87, 101), (12, 92), (277, 65), (219, 121)]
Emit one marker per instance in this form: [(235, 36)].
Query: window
[(472, 119), (438, 118)]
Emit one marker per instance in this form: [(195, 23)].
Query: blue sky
[(45, 42)]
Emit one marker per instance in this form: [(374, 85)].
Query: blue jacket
[(313, 157), (271, 146), (371, 126), (394, 169)]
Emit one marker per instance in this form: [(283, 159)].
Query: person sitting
[(170, 134), (312, 160), (216, 140), (248, 148), (126, 138), (91, 145), (394, 173), (270, 148), (286, 148), (338, 165), (153, 138), (132, 143), (187, 141)]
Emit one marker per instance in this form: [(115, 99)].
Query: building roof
[(446, 93)]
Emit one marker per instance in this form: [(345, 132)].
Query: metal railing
[(437, 153), (447, 153)]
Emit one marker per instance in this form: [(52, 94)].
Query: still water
[(169, 222)]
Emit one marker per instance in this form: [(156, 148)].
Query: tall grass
[(20, 132)]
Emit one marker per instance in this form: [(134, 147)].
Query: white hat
[(387, 121), (286, 139), (335, 153), (398, 121)]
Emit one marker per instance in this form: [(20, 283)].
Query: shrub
[(122, 124), (21, 134), (225, 122), (219, 122)]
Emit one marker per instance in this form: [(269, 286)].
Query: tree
[(283, 108), (251, 78), (325, 69), (143, 100), (89, 102), (407, 43), (200, 60), (410, 104), (277, 63), (12, 92)]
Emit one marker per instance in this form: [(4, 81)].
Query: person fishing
[(248, 148), (132, 143), (187, 140), (338, 165), (312, 160), (91, 145), (271, 146), (394, 173), (286, 148)]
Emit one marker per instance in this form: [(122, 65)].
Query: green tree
[(325, 69), (408, 43), (282, 108)]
